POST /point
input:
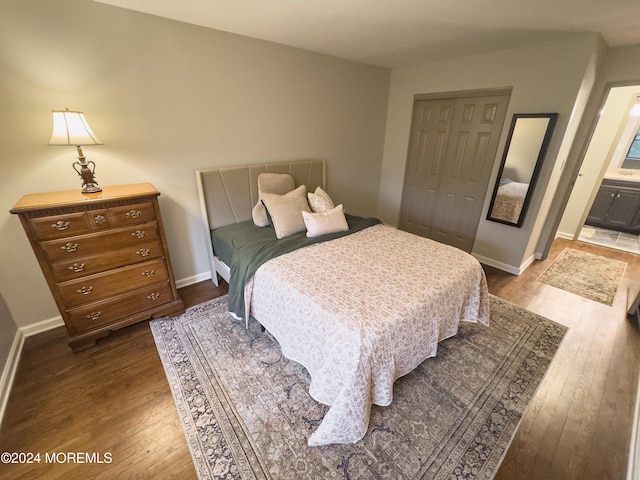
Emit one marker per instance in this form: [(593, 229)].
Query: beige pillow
[(326, 222), (286, 210), (320, 201), (279, 183)]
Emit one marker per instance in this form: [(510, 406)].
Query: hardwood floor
[(114, 398), (578, 426), (111, 399)]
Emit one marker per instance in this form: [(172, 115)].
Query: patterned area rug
[(247, 413), (585, 274)]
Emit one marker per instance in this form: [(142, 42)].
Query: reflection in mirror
[(527, 144)]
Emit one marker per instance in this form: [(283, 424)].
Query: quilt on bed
[(250, 254), (509, 201), (357, 317)]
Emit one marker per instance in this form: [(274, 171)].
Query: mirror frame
[(553, 117)]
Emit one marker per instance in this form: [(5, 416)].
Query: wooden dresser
[(104, 256)]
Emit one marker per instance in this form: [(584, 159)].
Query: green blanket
[(247, 259)]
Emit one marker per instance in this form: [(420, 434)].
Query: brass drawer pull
[(153, 296), (138, 234), (69, 247), (143, 252), (60, 225), (77, 267), (133, 214), (148, 273), (85, 290), (100, 219), (94, 315)]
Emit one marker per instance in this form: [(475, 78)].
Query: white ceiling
[(394, 33)]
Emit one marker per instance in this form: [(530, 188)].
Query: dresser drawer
[(77, 223), (133, 214), (107, 284), (58, 226), (94, 243), (80, 267), (99, 219), (104, 312)]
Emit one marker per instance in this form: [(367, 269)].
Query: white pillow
[(279, 183), (320, 201), (286, 210), (330, 221)]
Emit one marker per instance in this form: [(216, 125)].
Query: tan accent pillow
[(326, 222), (286, 210), (320, 201), (279, 183)]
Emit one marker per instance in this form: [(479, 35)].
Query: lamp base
[(91, 188), (89, 184)]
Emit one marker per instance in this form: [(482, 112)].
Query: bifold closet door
[(453, 146)]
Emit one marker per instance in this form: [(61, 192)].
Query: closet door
[(453, 147), (429, 135)]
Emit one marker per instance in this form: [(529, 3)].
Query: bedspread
[(509, 201), (357, 317), (248, 257)]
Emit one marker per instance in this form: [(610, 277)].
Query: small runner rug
[(246, 410), (585, 274)]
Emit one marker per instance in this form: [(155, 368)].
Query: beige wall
[(545, 78), (167, 98)]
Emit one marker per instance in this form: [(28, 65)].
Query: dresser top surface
[(36, 201)]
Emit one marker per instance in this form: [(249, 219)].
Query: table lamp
[(71, 128)]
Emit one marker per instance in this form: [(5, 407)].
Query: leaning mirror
[(526, 147)]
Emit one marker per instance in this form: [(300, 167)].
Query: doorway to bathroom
[(604, 207)]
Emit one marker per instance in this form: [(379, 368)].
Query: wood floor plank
[(115, 397)]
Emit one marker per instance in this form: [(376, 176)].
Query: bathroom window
[(632, 159)]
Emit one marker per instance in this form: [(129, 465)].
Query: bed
[(358, 310), (509, 200)]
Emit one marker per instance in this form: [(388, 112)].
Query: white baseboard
[(566, 236), (200, 277), (9, 371), (41, 326), (529, 261), (504, 266)]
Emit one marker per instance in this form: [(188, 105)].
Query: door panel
[(424, 168), (451, 160)]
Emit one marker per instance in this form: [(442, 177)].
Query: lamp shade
[(71, 128)]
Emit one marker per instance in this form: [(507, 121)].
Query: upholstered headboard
[(228, 194)]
